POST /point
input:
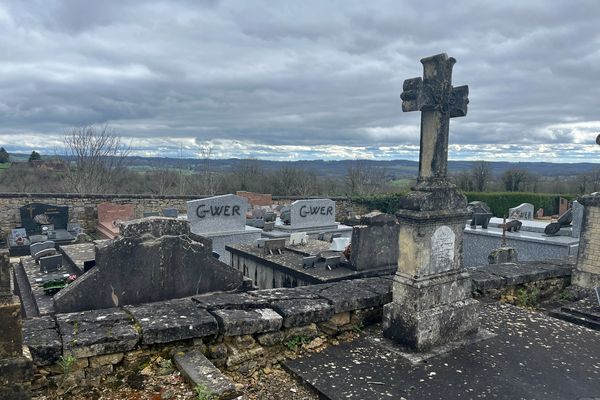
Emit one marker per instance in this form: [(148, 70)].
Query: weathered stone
[(423, 330), (96, 332), (346, 295), (375, 244), (106, 359), (42, 337), (240, 322), (303, 311), (271, 338), (239, 356), (587, 273), (16, 375), (202, 373), (503, 255), (173, 320), (341, 319), (240, 301), (140, 268)]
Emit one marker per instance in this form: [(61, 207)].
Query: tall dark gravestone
[(432, 301)]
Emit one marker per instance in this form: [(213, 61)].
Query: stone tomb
[(587, 273), (153, 259), (110, 215), (223, 220), (522, 211), (313, 216)]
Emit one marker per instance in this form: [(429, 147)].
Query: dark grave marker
[(51, 263), (309, 262), (170, 212), (151, 214), (274, 246), (597, 290), (35, 215)]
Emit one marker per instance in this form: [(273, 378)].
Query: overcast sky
[(300, 80)]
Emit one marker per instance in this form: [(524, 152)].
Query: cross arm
[(459, 101), (411, 94)]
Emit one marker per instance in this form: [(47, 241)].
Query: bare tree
[(248, 174), (95, 156), (514, 179), (481, 174), (464, 181), (362, 179), (208, 181)]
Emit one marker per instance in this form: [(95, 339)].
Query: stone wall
[(83, 207), (587, 273), (238, 332)]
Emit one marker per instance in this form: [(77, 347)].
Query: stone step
[(575, 318), (202, 373)]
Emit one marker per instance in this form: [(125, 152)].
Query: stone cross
[(438, 101)]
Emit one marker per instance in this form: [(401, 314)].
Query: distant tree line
[(97, 162)]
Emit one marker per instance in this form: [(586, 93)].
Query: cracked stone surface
[(301, 312), (532, 356), (41, 336), (96, 332), (173, 320), (241, 322)]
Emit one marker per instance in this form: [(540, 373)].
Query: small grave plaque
[(309, 262), (225, 213), (312, 213), (18, 233), (442, 249), (151, 214), (269, 226), (51, 263), (170, 212), (74, 228)]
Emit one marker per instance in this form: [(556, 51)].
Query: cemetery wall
[(238, 332), (83, 207)]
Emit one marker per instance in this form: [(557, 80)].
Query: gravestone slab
[(522, 211), (312, 213), (39, 246), (51, 263), (217, 214), (147, 214), (577, 219), (75, 228), (34, 215), (154, 259), (110, 215)]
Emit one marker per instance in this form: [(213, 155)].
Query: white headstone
[(217, 214), (522, 211), (298, 238), (312, 213), (442, 250), (339, 244)]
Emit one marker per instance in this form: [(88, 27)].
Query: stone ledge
[(96, 332), (174, 320), (43, 339)]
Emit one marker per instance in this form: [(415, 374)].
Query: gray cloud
[(304, 79)]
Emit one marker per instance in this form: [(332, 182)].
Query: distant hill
[(395, 169)]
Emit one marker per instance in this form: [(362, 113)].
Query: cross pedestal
[(432, 301)]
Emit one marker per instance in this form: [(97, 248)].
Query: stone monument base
[(430, 312), (16, 375)]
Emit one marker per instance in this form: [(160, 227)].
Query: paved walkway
[(532, 356)]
